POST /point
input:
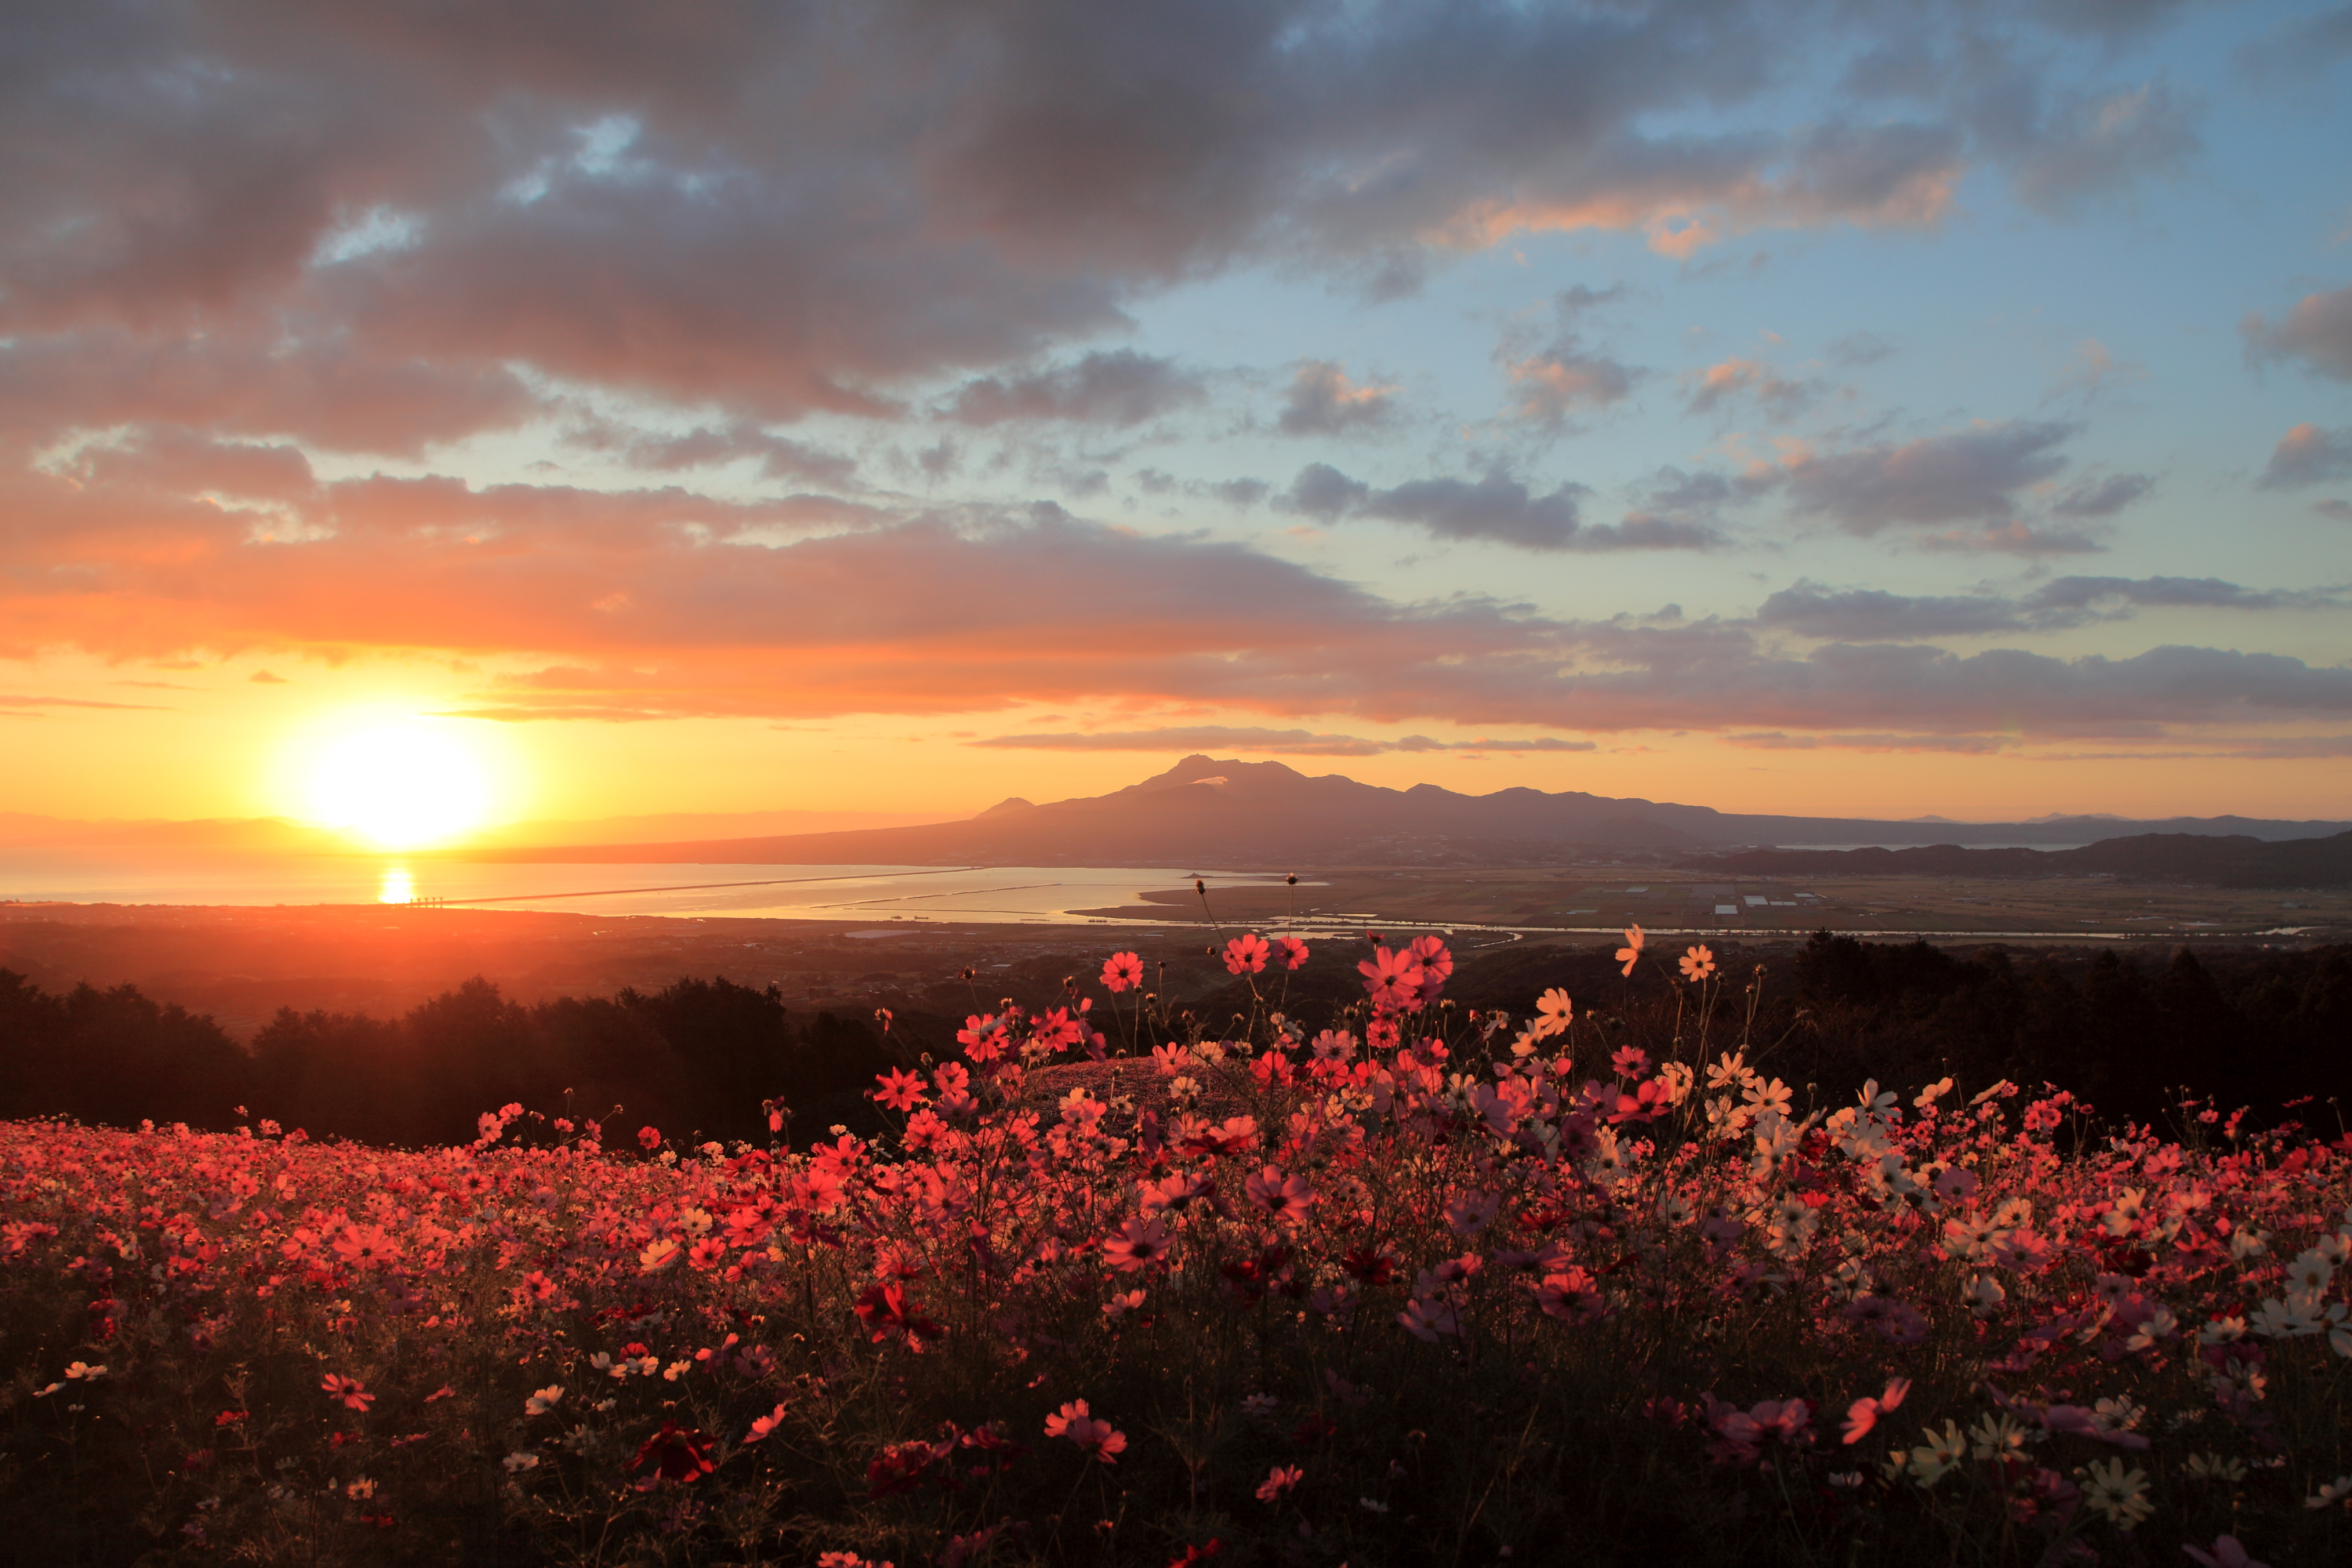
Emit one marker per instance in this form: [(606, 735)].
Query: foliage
[(1420, 1289)]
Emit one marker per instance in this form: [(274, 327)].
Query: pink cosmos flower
[(347, 1391), (901, 1091), (1862, 1415), (1286, 1200), (1698, 964), (1430, 952), (1246, 954), (1098, 1438), (1279, 1480), (1294, 952), (1122, 971), (1138, 1242), (1630, 954), (763, 1425), (1392, 979)]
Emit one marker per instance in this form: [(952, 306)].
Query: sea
[(1049, 894)]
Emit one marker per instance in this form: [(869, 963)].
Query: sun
[(399, 783)]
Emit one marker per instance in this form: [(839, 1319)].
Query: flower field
[(1423, 1285)]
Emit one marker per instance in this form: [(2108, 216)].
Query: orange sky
[(1889, 411)]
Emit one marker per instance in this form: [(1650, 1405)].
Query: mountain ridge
[(1206, 811)]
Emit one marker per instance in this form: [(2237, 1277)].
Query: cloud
[(1497, 508), (2085, 147), (2102, 498), (1120, 388), (1563, 379), (264, 678), (1869, 615), (1778, 740), (1778, 397), (1969, 476), (1322, 400), (2318, 331), (2308, 455), (2339, 510), (1858, 349), (2299, 46), (778, 457), (1263, 742)]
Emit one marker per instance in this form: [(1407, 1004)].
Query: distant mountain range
[(1233, 814), (2231, 860)]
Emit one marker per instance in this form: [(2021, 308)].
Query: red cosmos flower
[(981, 1036), (890, 1312), (649, 1137), (676, 1454), (1123, 970), (1864, 1414), (901, 1091), (1392, 979), (1430, 952), (1373, 1266), (1246, 954), (1099, 1438), (348, 1391), (1294, 952)]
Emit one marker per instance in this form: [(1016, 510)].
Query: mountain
[(2230, 860), (1228, 814)]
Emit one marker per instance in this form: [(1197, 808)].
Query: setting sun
[(399, 785)]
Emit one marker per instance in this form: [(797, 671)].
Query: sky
[(1844, 408)]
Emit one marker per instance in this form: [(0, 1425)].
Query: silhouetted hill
[(2232, 861), (1228, 814)]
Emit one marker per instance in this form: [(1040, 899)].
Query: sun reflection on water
[(399, 888)]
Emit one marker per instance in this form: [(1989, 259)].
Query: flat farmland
[(1578, 900)]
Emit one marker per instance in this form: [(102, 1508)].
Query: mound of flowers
[(1421, 1286)]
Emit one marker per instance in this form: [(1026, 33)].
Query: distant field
[(2056, 909)]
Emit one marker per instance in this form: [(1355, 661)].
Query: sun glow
[(400, 784)]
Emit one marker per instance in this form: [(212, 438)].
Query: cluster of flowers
[(2026, 1324)]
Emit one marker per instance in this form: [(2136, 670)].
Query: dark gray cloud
[(1263, 742), (1968, 476), (2300, 46), (2102, 498), (2069, 593), (2317, 331), (1869, 615), (1497, 508), (2308, 455), (1322, 400), (1120, 388), (1858, 349), (780, 458)]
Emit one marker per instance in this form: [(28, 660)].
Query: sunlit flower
[(1286, 1200), (543, 1400), (1554, 1012), (1392, 979), (1699, 963), (1122, 970), (1246, 954), (901, 1091), (1293, 951), (763, 1425), (1278, 1482), (1630, 954), (1096, 1436)]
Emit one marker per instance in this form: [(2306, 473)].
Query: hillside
[(2231, 860), (1230, 813)]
